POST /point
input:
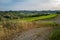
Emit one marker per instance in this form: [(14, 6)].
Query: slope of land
[(32, 28), (38, 33), (40, 17)]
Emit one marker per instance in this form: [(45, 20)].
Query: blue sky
[(29, 5)]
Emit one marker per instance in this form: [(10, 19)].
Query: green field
[(40, 17)]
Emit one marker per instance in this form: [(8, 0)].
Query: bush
[(55, 35)]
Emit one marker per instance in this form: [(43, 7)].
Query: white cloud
[(36, 5)]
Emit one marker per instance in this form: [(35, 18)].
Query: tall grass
[(10, 29)]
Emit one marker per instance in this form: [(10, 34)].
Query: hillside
[(15, 25)]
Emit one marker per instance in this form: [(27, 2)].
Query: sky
[(6, 5)]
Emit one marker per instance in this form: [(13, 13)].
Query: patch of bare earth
[(35, 34)]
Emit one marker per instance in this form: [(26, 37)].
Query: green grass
[(40, 17), (30, 19), (55, 35)]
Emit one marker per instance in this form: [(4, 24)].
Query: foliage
[(55, 35), (10, 15)]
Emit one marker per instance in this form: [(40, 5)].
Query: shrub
[(55, 35)]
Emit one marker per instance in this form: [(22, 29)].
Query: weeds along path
[(35, 34)]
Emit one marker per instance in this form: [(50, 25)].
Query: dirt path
[(35, 34)]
